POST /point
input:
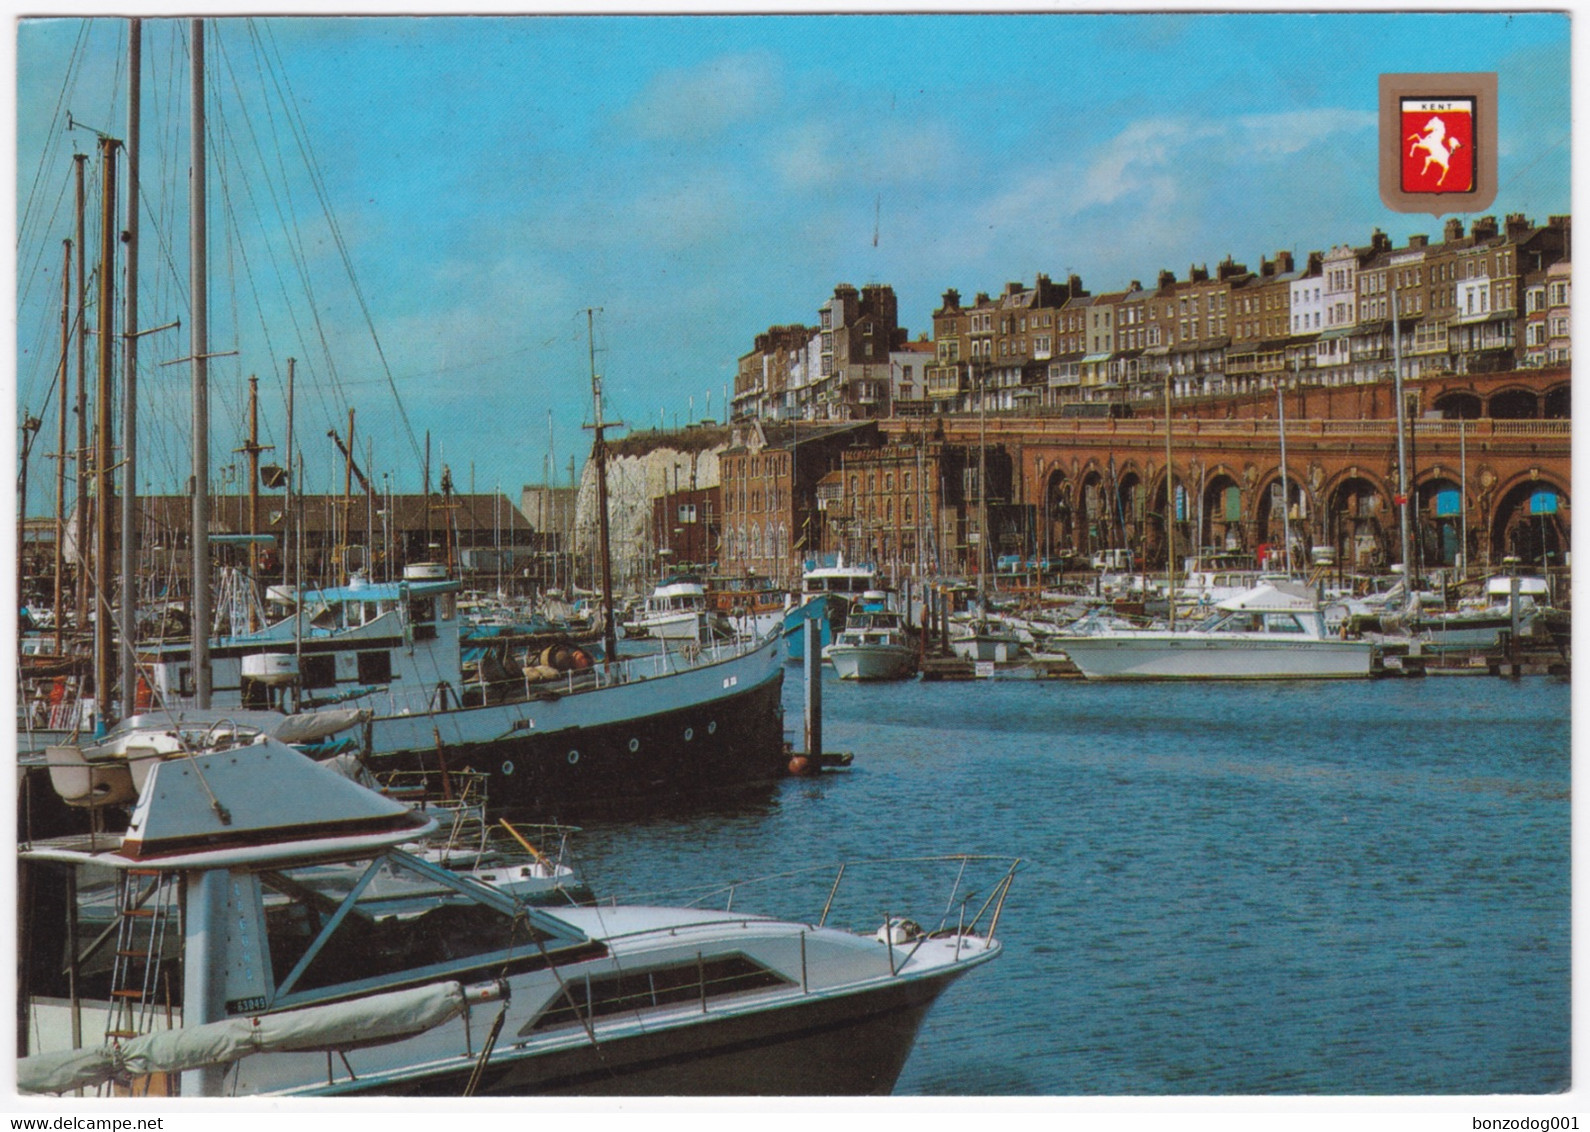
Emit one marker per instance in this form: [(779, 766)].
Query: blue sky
[(699, 179)]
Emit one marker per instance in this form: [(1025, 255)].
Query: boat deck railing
[(861, 894), (626, 670)]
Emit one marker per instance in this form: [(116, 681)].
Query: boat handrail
[(992, 891)]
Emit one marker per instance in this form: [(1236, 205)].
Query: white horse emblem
[(1438, 148)]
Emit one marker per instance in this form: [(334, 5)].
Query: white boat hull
[(872, 662), (679, 627), (1203, 656), (998, 649)]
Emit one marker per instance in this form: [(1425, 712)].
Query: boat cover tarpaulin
[(338, 1026), (310, 726)]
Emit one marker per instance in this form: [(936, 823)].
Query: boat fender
[(897, 930), (497, 990), (580, 660)]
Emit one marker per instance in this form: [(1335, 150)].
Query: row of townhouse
[(858, 363), (1496, 297)]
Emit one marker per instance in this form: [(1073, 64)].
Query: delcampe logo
[(1438, 142)]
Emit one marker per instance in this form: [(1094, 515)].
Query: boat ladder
[(146, 904)]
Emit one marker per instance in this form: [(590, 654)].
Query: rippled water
[(1356, 887)]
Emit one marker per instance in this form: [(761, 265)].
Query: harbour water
[(1301, 888)]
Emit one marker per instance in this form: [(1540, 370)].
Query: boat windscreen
[(340, 928)]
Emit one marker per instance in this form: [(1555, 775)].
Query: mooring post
[(1513, 650), (814, 687)]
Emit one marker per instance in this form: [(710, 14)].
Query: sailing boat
[(570, 733)]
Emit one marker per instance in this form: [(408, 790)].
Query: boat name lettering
[(730, 681), (245, 1005)]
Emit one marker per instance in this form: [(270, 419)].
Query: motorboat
[(1478, 624), (677, 610), (285, 978), (828, 593), (752, 603), (875, 644), (1274, 631), (979, 636)]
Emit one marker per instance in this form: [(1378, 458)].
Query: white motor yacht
[(286, 979), (1275, 631), (875, 645), (677, 610)]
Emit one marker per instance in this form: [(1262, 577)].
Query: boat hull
[(716, 727), (986, 647), (819, 609), (1472, 631), (1191, 656), (872, 662), (852, 1045)]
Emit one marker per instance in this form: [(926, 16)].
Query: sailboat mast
[(1402, 458), (983, 551), (104, 456), (1286, 491), (287, 493), (1463, 493), (347, 491), (30, 432), (80, 513), (253, 449), (127, 609), (199, 285), (599, 458), (1170, 516), (60, 441)]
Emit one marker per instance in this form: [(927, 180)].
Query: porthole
[(507, 766), (574, 757), (690, 733), (712, 726), (634, 745)]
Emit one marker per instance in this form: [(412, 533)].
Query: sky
[(422, 210)]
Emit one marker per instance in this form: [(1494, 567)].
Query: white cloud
[(706, 100), (1291, 132)]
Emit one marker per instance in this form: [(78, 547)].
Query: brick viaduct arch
[(1101, 483)]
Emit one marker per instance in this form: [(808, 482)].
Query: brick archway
[(1520, 524)]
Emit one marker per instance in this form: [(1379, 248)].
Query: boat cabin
[(335, 645)]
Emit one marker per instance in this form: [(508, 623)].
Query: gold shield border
[(1478, 85)]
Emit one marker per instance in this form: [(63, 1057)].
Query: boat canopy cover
[(372, 1020), (382, 591), (312, 726), (261, 793), (1273, 597), (305, 727)]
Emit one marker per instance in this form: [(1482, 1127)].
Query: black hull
[(850, 1046), (734, 743)]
